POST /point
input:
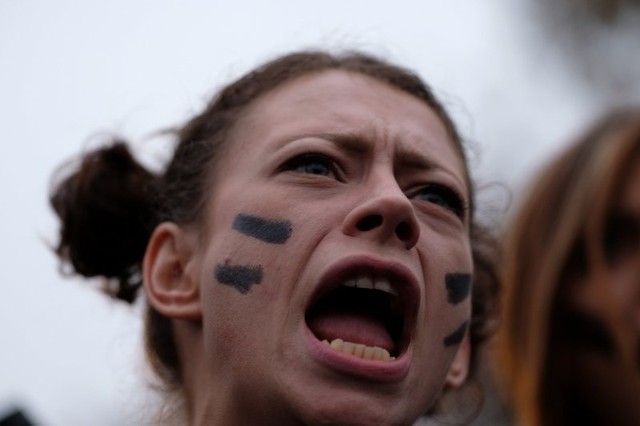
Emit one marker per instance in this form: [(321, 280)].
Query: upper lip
[(402, 280)]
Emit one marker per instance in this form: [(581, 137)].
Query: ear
[(459, 368), (170, 276)]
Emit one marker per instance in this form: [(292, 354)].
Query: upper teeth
[(368, 281)]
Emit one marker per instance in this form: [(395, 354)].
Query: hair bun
[(106, 217)]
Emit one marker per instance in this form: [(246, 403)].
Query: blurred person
[(308, 253), (568, 350)]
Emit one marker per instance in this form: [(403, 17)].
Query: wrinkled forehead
[(338, 99)]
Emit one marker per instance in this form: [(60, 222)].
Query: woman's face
[(622, 249), (336, 267), (625, 250)]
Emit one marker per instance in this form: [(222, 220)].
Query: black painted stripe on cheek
[(458, 287), (457, 336), (269, 231), (239, 277)]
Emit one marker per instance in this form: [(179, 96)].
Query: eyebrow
[(349, 142), (415, 160), (404, 157), (357, 144)]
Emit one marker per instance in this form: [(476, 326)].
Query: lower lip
[(382, 371)]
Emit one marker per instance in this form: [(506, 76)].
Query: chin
[(349, 404), (354, 415)]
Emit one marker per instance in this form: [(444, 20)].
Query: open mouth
[(364, 313)]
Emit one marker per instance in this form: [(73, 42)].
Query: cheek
[(449, 283), (238, 296), (270, 231), (240, 277), (240, 254), (454, 338), (458, 285)]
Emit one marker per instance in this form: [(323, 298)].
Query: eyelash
[(451, 198), (296, 164)]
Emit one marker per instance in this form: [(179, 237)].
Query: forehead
[(343, 102)]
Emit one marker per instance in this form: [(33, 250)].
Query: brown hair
[(557, 235), (110, 194)]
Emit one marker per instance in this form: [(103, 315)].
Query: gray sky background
[(520, 82)]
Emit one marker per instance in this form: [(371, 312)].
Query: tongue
[(351, 327)]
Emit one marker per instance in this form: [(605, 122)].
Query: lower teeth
[(361, 351)]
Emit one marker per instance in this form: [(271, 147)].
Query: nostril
[(403, 231), (370, 222)]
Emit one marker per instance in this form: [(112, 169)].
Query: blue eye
[(311, 164), (442, 196)]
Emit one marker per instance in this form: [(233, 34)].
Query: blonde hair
[(564, 214)]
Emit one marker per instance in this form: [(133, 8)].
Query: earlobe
[(460, 366), (170, 278)]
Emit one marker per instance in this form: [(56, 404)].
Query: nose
[(387, 217)]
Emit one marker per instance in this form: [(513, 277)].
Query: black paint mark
[(458, 287), (457, 336), (270, 231), (239, 277)]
